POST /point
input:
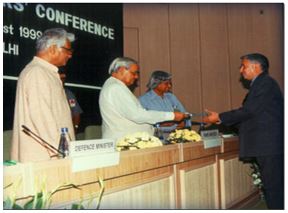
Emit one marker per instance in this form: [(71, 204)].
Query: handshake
[(179, 116), (208, 116)]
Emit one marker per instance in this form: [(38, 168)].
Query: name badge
[(89, 147), (211, 138)]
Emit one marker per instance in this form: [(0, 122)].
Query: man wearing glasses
[(121, 111), (260, 120), (41, 104)]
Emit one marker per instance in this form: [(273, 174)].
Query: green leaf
[(16, 206), (10, 204), (39, 204), (38, 199), (7, 204), (29, 204), (77, 206), (74, 206)]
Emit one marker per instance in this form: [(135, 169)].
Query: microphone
[(27, 131)]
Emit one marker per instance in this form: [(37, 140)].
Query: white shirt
[(41, 105), (123, 114)]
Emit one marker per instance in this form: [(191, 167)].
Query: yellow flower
[(138, 140), (183, 135)]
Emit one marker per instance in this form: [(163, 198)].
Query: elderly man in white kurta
[(121, 111), (41, 103)]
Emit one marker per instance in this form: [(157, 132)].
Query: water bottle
[(64, 142)]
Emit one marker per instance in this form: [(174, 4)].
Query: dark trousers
[(272, 172)]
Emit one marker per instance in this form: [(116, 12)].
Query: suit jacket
[(260, 119)]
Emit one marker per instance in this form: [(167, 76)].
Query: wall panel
[(185, 55), (154, 52), (247, 34), (214, 56), (131, 47), (158, 194), (131, 42), (201, 45), (269, 39), (240, 42)]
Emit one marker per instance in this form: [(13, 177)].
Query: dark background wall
[(93, 52)]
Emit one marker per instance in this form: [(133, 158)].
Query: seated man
[(159, 97)]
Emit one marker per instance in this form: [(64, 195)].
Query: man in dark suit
[(261, 126)]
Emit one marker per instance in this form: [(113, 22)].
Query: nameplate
[(211, 138), (90, 147), (95, 161)]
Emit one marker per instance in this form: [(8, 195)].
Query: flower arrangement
[(183, 135), (256, 176), (138, 140)]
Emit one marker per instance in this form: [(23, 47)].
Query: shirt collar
[(46, 64), (153, 94), (253, 80), (118, 81)]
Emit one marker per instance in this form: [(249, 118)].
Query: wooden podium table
[(177, 176)]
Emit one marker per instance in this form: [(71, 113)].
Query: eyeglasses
[(135, 72), (70, 50)]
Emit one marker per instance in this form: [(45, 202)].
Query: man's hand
[(212, 117), (165, 124), (179, 116), (181, 125)]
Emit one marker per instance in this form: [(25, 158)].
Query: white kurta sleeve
[(129, 107)]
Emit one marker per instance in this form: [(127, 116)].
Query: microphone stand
[(27, 131)]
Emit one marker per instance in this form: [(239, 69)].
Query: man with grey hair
[(121, 111), (160, 98), (260, 120), (41, 104)]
